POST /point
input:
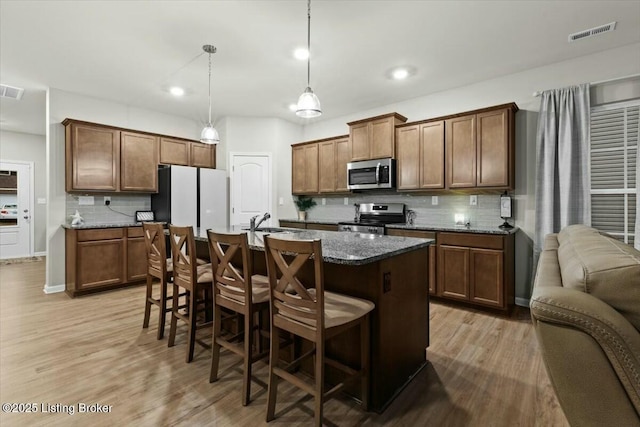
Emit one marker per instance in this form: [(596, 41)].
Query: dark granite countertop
[(101, 225), (453, 228), (337, 248)]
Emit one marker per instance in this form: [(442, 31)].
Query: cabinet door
[(359, 136), (487, 277), (408, 157), (432, 155), (311, 168), (93, 158), (175, 151), (100, 263), (461, 152), (327, 167), (136, 259), (138, 162), (453, 272), (297, 170), (343, 156), (203, 155), (493, 149), (382, 138), (433, 272)]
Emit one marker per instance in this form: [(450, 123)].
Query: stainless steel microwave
[(371, 174)]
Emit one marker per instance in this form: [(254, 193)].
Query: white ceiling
[(132, 51)]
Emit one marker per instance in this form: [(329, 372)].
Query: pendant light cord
[(209, 89), (309, 43)]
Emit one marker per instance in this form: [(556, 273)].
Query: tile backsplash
[(485, 214), (122, 209)]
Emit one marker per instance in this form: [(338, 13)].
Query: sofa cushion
[(603, 267)]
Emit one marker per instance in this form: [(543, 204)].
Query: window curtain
[(562, 162)]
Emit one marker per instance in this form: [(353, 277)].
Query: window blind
[(614, 144)]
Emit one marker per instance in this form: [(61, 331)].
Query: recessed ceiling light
[(301, 53), (400, 73), (176, 91), (293, 107)]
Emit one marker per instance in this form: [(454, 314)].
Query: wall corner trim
[(54, 289), (522, 302)]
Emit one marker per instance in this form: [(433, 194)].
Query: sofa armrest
[(579, 334)]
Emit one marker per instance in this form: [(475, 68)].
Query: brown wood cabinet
[(343, 157), (480, 150), (374, 138), (102, 259), (203, 155), (304, 168), (292, 224), (310, 225), (92, 157), (138, 162), (175, 151), (477, 268), (432, 252), (420, 156), (333, 156)]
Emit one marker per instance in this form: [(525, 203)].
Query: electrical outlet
[(473, 200), (107, 200), (434, 200), (324, 201), (281, 201), (346, 201)]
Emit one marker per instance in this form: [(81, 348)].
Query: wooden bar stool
[(313, 314), (194, 279), (158, 267), (242, 292)]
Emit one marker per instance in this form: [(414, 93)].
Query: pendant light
[(308, 103), (209, 134)]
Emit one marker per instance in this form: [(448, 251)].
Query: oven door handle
[(378, 174)]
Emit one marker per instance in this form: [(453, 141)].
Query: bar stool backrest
[(155, 242), (183, 250), (228, 279)]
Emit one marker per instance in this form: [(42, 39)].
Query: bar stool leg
[(274, 357), (215, 355), (147, 303), (364, 361), (163, 308), (248, 356), (319, 373), (174, 317), (191, 336)]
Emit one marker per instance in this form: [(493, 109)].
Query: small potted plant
[(304, 203)]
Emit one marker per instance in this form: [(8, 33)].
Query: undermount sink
[(271, 230)]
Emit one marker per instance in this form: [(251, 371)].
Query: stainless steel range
[(372, 217)]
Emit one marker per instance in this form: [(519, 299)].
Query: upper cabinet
[(374, 138), (304, 169), (420, 156), (92, 157), (480, 149), (108, 159), (320, 166), (138, 162)]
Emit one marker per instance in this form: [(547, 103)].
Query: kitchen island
[(391, 272)]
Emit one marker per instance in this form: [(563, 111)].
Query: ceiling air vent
[(592, 32), (11, 92)]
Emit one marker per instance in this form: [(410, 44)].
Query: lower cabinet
[(477, 268), (432, 252), (104, 258)]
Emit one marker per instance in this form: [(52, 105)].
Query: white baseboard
[(54, 289), (44, 253), (522, 302)]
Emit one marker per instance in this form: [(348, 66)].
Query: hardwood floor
[(484, 370)]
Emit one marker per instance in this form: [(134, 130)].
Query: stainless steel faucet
[(252, 221)]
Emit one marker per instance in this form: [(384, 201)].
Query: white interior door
[(250, 184), (16, 200)]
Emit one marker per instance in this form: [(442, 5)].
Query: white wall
[(61, 105), (517, 88), (30, 148), (263, 135)]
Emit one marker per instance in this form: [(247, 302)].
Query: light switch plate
[(86, 200), (473, 200), (434, 200), (346, 201), (42, 200), (324, 201), (281, 201)]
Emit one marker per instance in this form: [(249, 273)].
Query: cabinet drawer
[(100, 234), (322, 227), (292, 224), (471, 240), (135, 232), (411, 233)]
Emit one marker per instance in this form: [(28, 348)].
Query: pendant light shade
[(308, 103), (209, 134)]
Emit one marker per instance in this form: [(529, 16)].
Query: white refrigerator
[(192, 196)]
